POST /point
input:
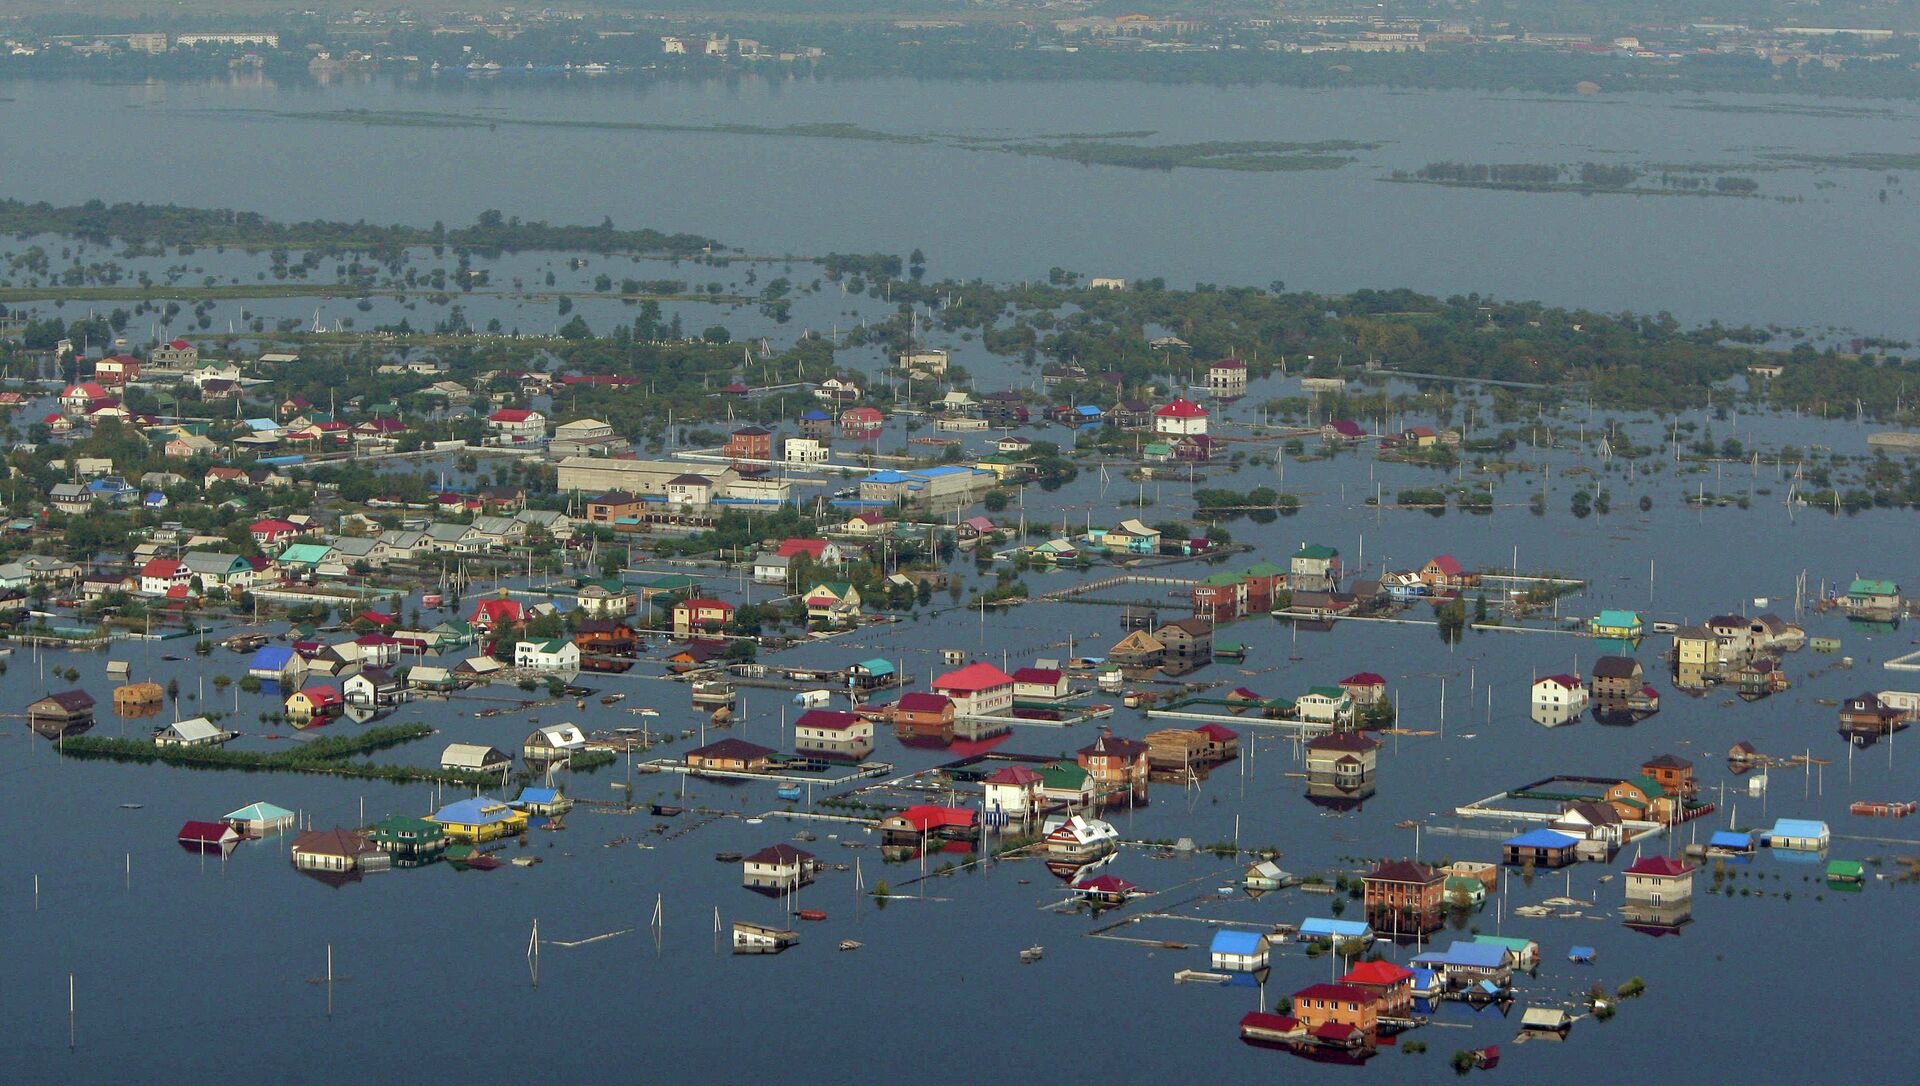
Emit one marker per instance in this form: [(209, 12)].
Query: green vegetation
[(1252, 155), (171, 225), (1585, 177), (328, 755)]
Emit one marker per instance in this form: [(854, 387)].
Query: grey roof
[(215, 562), (498, 526), (442, 532)]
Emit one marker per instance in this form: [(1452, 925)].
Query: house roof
[(1237, 942), (918, 702), (1447, 564), (1480, 955), (736, 749), (198, 727), (826, 720), (1381, 973), (1798, 827), (213, 832), (972, 679), (1542, 838), (1318, 551), (1666, 761), (1182, 408), (1015, 775), (333, 842), (1219, 733), (1615, 667), (1663, 866), (926, 817), (1353, 742), (1402, 871), (1042, 676), (1342, 993), (1363, 678), (259, 812), (782, 854), (478, 811)]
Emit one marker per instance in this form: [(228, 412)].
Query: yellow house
[(481, 818), (1695, 645)]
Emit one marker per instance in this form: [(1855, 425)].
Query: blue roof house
[(1798, 835), (1466, 963), (1317, 927), (1240, 951), (1540, 848)]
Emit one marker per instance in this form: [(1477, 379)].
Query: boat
[(613, 699), (1032, 954), (788, 791), (812, 914), (728, 857)]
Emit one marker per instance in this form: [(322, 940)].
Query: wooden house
[(1138, 649), (731, 756), (474, 758), (409, 840), (553, 742), (1119, 768), (194, 732), (66, 713), (1616, 679), (1540, 848), (1866, 716), (335, 850), (1673, 773), (923, 716)]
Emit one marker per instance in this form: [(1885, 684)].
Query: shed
[(474, 758)]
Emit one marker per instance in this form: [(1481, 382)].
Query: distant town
[(1437, 46)]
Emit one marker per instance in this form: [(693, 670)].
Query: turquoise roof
[(258, 812), (1617, 619)]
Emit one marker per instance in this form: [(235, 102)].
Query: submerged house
[(482, 818), (1240, 951), (259, 819), (64, 713), (335, 850), (778, 868)]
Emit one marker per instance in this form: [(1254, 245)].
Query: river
[(1793, 261)]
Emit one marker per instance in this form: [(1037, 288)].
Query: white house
[(196, 732), (558, 654), (977, 690), (803, 450), (1325, 705), (517, 426), (1560, 691)]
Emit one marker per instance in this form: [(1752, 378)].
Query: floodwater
[(207, 968), (1002, 216), (188, 947)]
